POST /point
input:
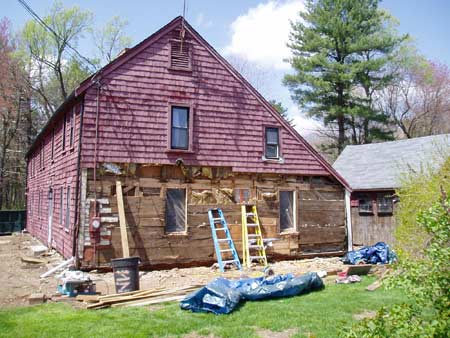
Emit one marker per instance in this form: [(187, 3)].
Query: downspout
[(97, 113), (348, 220), (98, 84), (77, 192)]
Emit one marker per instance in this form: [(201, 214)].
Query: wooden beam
[(122, 221)]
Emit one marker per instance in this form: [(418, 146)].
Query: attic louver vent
[(180, 55)]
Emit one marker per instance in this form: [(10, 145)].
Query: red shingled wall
[(228, 123), (57, 174)]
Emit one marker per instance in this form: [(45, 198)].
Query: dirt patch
[(20, 279), (274, 334)]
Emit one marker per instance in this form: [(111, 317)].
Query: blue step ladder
[(218, 224)]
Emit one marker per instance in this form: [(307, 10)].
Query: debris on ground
[(222, 295), (138, 298), (23, 279), (348, 279), (59, 267), (360, 269), (375, 285), (36, 298), (75, 283), (380, 253), (32, 260)]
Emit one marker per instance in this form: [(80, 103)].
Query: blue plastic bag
[(223, 295)]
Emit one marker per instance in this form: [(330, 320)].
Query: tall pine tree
[(341, 50)]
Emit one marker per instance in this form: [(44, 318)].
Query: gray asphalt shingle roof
[(380, 165)]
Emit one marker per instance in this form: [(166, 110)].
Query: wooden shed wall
[(368, 229), (59, 173), (320, 217), (229, 120)]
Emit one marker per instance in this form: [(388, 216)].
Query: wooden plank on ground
[(122, 220)]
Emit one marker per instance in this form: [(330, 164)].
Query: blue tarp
[(222, 295), (379, 253)]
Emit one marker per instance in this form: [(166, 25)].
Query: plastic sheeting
[(222, 295), (379, 253)]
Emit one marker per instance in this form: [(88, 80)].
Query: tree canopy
[(341, 50)]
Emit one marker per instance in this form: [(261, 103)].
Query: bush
[(426, 281), (420, 190)]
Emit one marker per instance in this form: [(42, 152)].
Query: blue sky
[(231, 27)]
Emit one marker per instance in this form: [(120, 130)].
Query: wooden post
[(122, 221), (348, 220)]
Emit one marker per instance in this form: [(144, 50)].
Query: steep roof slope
[(380, 165), (121, 77)]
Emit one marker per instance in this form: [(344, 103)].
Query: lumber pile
[(137, 298)]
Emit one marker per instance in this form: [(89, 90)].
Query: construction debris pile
[(137, 298)]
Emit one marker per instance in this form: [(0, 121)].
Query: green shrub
[(426, 281), (419, 191)]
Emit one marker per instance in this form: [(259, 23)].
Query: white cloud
[(304, 125), (262, 33), (201, 21)]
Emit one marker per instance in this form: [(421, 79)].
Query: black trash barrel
[(126, 274)]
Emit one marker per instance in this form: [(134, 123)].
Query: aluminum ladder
[(252, 239), (216, 219)]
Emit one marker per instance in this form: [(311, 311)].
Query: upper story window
[(72, 127), (53, 144), (63, 141), (272, 146), (42, 156), (180, 55), (179, 133)]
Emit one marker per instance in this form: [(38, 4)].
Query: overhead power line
[(51, 30)]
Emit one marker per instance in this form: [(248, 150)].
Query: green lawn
[(320, 313)]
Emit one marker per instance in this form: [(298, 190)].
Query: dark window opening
[(175, 210), (365, 205), (61, 205), (241, 195), (53, 144), (272, 143), (180, 55), (63, 142), (67, 222), (39, 204), (42, 155), (384, 204), (286, 210), (179, 138), (72, 127)]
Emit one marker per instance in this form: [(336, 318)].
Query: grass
[(320, 313)]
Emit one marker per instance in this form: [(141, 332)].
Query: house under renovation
[(375, 171), (174, 129)]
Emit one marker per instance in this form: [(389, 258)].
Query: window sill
[(365, 213), (279, 160), (288, 232), (184, 151), (176, 234)]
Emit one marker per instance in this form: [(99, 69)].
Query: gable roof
[(380, 165), (130, 53)]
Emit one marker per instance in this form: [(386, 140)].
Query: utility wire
[(48, 28)]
